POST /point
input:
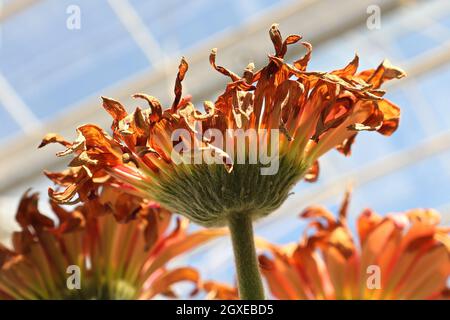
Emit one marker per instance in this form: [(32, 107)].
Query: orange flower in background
[(400, 256), (314, 111), (115, 261)]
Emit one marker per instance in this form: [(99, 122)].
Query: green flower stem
[(247, 268)]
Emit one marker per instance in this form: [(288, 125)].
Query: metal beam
[(144, 38), (17, 108), (137, 29)]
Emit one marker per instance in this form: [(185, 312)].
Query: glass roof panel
[(52, 67), (178, 25)]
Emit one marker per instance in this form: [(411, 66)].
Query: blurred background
[(58, 56)]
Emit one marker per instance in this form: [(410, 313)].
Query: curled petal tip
[(274, 26)]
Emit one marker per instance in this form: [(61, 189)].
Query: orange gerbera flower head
[(88, 255), (242, 153), (399, 256)]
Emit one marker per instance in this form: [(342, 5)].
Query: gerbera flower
[(219, 291), (236, 160), (88, 255), (399, 256)]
